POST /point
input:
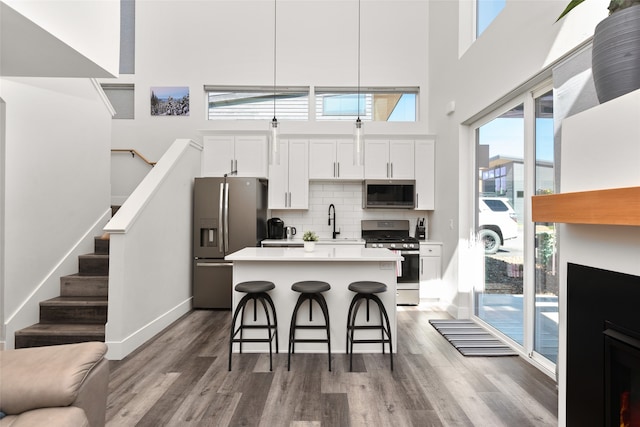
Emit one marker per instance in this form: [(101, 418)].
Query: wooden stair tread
[(79, 314), (85, 277), (63, 329), (76, 301)]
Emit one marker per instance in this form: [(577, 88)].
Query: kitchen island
[(336, 265)]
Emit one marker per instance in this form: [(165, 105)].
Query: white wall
[(2, 204), (63, 38), (150, 263), (521, 42), (58, 137), (600, 150), (230, 42)]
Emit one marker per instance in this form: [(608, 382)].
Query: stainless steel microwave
[(389, 194)]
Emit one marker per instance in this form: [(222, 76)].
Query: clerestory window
[(257, 103), (486, 12), (370, 104)]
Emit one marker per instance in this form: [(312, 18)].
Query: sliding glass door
[(515, 160), (499, 221)]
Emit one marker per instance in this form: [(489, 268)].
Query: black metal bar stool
[(312, 291), (256, 291), (366, 291)]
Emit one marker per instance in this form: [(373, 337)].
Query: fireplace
[(603, 330), (622, 376)]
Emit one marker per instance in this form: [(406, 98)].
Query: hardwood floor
[(180, 379)]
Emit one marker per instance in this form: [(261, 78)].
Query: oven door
[(410, 267)]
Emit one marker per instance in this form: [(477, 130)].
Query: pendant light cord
[(358, 60), (275, 5)]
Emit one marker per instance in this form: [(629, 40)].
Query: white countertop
[(321, 253), (322, 241)]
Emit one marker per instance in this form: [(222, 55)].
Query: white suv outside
[(497, 222)]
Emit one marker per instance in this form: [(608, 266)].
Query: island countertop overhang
[(327, 253)]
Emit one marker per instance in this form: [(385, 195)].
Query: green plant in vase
[(310, 238)]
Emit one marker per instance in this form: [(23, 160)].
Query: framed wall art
[(170, 101)]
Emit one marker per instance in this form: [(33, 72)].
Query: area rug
[(470, 339)]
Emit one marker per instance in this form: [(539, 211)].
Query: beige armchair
[(62, 385)]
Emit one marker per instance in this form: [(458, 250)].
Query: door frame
[(527, 99)]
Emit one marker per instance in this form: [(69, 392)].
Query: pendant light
[(358, 131), (274, 152)]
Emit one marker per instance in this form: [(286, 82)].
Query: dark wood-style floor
[(180, 379)]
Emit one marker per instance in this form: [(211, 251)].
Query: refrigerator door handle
[(220, 218), (226, 217)]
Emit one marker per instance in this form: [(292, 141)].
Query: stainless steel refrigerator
[(228, 214)]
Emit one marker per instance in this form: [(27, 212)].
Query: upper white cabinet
[(333, 159), (289, 180), (386, 159), (425, 160), (245, 154)]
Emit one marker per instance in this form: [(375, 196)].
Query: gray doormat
[(470, 339)]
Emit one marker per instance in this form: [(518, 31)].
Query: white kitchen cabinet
[(245, 154), (425, 174), (333, 159), (386, 159), (289, 181), (430, 269)]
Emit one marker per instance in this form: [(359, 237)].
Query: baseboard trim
[(118, 350), (458, 313)]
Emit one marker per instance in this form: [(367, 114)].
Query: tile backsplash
[(347, 199)]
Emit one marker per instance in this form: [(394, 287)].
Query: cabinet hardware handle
[(391, 170), (421, 266), (221, 218), (338, 170), (334, 169)]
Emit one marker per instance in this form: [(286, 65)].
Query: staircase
[(79, 314)]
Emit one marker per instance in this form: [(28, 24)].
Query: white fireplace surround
[(600, 150)]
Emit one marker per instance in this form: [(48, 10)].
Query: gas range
[(394, 235), (389, 234)]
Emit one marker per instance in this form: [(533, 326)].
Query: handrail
[(133, 154)]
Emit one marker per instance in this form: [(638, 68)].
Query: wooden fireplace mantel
[(616, 206)]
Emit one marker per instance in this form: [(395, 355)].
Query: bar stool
[(256, 291), (367, 290), (310, 290)]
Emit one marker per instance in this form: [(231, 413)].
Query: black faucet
[(335, 233)]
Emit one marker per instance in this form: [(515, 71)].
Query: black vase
[(615, 58)]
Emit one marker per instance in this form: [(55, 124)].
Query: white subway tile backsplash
[(347, 198)]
